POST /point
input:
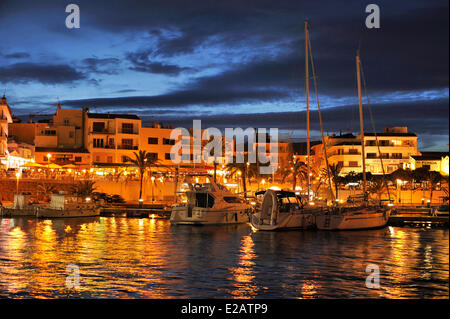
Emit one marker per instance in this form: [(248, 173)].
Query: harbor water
[(120, 257)]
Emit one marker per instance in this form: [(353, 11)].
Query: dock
[(402, 220), (145, 212)]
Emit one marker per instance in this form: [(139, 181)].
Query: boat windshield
[(286, 203), (204, 200)]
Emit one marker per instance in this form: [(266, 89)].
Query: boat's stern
[(187, 215)]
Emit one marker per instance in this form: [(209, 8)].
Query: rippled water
[(147, 258)]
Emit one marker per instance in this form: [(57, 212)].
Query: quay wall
[(129, 190)]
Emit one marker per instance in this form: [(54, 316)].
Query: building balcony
[(345, 154), (105, 131), (127, 147), (128, 132), (109, 146)]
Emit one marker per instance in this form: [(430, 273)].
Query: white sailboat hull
[(285, 221), (204, 216), (364, 218)]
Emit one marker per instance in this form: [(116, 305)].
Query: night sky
[(231, 63)]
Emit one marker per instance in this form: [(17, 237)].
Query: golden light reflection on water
[(243, 274), (148, 258)]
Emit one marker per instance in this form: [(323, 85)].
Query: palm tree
[(239, 168), (376, 186), (335, 169), (45, 188), (83, 188), (142, 160), (434, 179), (298, 170)]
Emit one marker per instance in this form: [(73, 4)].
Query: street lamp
[(17, 182), (48, 162), (153, 180)]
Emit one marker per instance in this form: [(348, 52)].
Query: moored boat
[(209, 203), (21, 207), (352, 218), (283, 210), (62, 206)]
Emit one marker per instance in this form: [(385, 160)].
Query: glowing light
[(253, 203), (275, 188)]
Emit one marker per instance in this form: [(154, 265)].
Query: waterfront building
[(111, 138), (395, 147), (103, 139), (5, 119), (434, 161), (156, 140)]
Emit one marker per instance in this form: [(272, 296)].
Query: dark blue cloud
[(36, 72)]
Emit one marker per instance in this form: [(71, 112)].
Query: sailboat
[(363, 215), (281, 209)]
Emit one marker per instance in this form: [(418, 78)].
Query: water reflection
[(148, 258), (243, 274)]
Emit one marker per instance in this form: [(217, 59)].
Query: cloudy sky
[(230, 63)]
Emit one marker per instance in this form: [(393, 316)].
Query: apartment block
[(393, 147), (5, 119), (111, 138)]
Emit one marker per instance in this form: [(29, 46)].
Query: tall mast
[(320, 117), (363, 154), (307, 108)]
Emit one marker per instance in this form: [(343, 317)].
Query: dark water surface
[(147, 258)]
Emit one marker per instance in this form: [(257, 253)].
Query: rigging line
[(374, 130), (320, 119)]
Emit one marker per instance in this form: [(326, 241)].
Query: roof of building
[(345, 135), (112, 116), (61, 150), (389, 134), (429, 156)]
